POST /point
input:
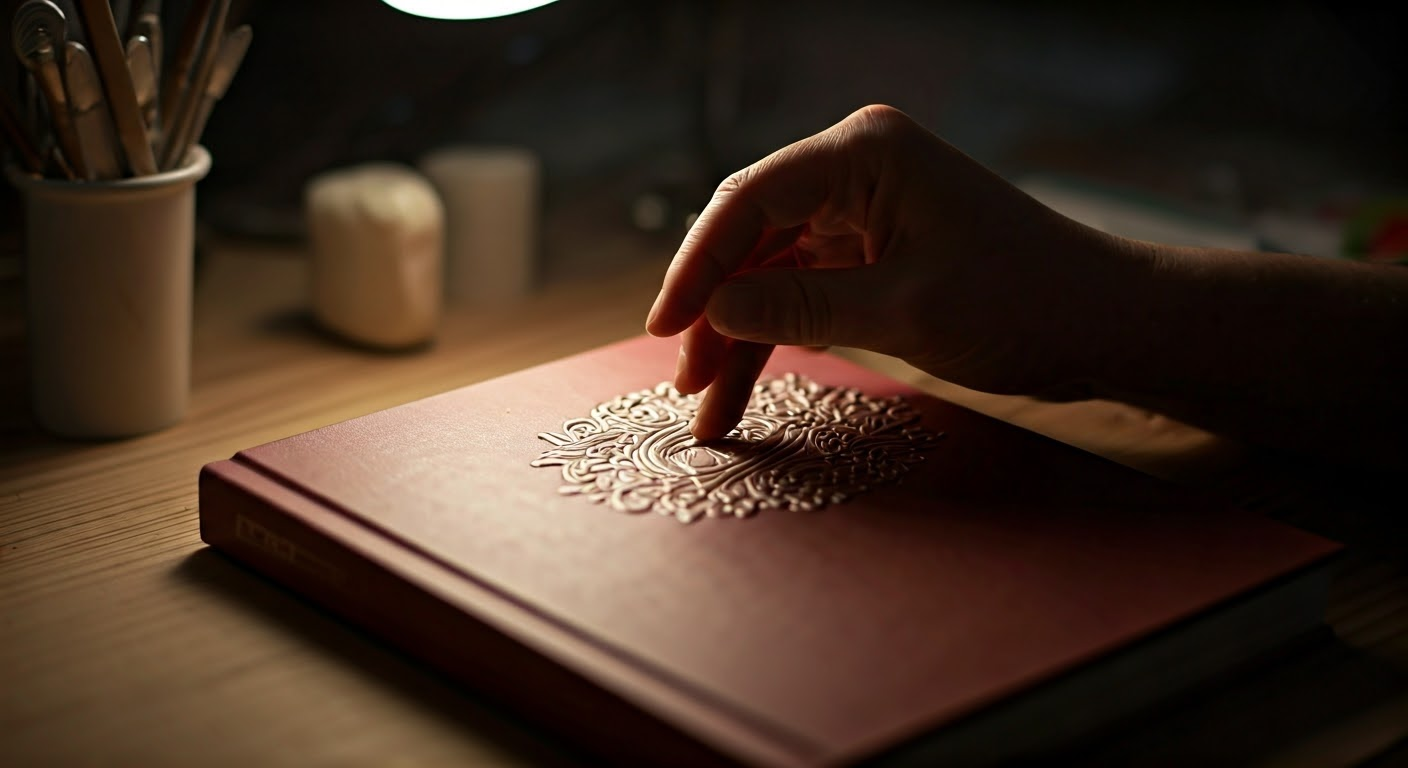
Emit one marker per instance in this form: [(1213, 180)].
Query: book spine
[(279, 532)]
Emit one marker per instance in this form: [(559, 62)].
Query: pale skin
[(876, 234)]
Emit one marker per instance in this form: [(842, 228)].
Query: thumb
[(806, 307)]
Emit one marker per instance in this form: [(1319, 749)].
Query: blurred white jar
[(377, 234), (491, 197)]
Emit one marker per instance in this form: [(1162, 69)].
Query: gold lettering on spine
[(273, 544)]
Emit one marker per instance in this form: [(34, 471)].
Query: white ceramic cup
[(109, 267), (491, 221)]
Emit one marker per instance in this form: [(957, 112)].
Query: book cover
[(896, 578)]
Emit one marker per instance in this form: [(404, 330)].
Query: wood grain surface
[(124, 641)]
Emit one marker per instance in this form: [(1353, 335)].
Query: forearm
[(1295, 352)]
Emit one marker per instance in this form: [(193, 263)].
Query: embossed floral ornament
[(800, 446)]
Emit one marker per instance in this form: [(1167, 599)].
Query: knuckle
[(735, 182), (878, 133), (737, 189), (878, 112), (879, 119)]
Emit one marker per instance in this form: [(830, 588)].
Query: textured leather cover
[(1002, 561)]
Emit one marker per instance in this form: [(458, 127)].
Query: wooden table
[(124, 641)]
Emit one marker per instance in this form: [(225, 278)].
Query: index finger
[(781, 191)]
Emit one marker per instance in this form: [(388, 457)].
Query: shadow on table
[(301, 323), (420, 686), (1319, 702)]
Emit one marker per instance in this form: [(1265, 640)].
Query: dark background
[(1236, 107)]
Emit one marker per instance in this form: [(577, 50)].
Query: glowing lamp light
[(465, 9)]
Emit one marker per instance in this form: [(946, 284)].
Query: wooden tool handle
[(109, 55), (180, 122), (51, 84), (174, 81)]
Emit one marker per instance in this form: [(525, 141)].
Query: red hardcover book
[(913, 582)]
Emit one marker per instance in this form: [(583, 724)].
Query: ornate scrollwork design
[(800, 446)]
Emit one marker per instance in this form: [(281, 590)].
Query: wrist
[(1117, 298)]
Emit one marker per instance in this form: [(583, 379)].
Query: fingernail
[(679, 367)]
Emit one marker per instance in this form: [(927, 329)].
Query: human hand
[(876, 234)]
